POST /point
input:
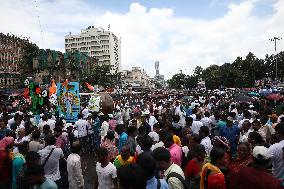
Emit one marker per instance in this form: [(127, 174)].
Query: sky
[(180, 34)]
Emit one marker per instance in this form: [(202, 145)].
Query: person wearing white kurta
[(75, 176)]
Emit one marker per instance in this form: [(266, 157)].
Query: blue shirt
[(153, 184), (3, 133), (231, 133), (18, 163), (122, 140), (188, 112)]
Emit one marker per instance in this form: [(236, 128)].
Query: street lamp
[(275, 39)]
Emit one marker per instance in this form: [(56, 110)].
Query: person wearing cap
[(276, 152), (255, 175)]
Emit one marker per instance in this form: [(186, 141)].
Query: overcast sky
[(181, 34)]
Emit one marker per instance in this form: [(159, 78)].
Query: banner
[(94, 103), (68, 100), (36, 95)]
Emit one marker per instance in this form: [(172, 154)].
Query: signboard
[(94, 103), (68, 100)]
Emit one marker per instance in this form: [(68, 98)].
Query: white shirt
[(196, 126), (207, 122), (85, 112), (106, 175), (242, 121), (152, 121), (193, 116), (276, 154), (173, 181), (104, 129), (75, 176), (41, 124), (154, 136), (51, 123), (18, 141), (51, 168), (279, 118), (81, 125), (206, 142)]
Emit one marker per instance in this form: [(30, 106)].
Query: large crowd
[(213, 142)]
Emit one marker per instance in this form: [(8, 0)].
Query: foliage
[(239, 73), (101, 75)]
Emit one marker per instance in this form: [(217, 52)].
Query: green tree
[(177, 81)]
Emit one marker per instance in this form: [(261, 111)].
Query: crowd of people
[(153, 143)]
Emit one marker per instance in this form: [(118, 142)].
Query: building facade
[(98, 43), (136, 77), (11, 52)]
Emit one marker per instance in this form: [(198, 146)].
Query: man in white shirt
[(247, 116), (82, 127), (206, 120), (163, 158), (75, 176), (196, 125), (51, 123), (51, 167), (20, 139), (276, 152), (206, 141), (106, 171), (151, 120), (104, 126), (43, 123)]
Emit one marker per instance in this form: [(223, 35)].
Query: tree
[(101, 75), (212, 77), (177, 81)]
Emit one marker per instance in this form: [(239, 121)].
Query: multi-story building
[(11, 52), (136, 77), (98, 43)]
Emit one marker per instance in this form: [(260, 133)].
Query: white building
[(136, 77), (99, 43)]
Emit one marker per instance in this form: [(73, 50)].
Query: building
[(136, 77), (11, 53), (98, 43), (159, 79)]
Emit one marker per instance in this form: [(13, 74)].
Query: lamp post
[(275, 39)]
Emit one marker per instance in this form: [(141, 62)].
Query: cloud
[(153, 34)]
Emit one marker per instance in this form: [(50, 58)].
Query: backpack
[(185, 183), (194, 183)]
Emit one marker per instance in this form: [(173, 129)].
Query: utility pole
[(275, 39)]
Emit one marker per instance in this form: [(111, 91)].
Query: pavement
[(88, 163)]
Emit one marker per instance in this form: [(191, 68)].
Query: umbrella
[(264, 93), (274, 97), (243, 98), (253, 94)]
